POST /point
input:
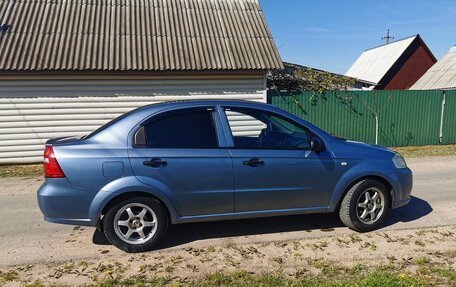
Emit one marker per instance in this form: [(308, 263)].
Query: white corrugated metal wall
[(33, 110)]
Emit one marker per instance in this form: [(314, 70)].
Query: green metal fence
[(404, 118), (449, 118)]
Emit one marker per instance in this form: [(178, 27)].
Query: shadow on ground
[(186, 233), (416, 209)]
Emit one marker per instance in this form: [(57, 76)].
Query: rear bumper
[(403, 187), (81, 222), (61, 202)]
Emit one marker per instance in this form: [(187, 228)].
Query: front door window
[(267, 131)]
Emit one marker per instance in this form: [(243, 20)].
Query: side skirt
[(249, 214)]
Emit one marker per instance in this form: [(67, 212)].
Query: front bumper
[(403, 187), (61, 202)]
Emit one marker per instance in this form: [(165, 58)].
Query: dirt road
[(26, 238)]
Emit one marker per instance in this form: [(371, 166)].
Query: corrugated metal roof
[(440, 76), (373, 64), (135, 35)]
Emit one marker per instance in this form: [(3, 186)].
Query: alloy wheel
[(370, 205), (135, 223)]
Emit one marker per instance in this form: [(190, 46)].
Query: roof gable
[(135, 35), (442, 75), (374, 64)]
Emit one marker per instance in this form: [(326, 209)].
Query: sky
[(330, 35)]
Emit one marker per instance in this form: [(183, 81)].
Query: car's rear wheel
[(365, 206), (136, 225)]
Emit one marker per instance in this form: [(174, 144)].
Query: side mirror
[(317, 145)]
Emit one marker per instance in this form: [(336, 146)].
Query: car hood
[(350, 149), (367, 145)]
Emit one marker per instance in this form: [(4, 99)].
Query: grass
[(425, 151), (8, 276), (381, 276), (21, 170)]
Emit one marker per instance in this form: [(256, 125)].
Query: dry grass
[(22, 170), (425, 151), (384, 261)]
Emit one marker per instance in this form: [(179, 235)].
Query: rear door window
[(183, 129)]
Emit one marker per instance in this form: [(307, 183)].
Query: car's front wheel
[(365, 206), (136, 225)]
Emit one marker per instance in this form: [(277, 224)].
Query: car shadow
[(190, 232), (416, 209)]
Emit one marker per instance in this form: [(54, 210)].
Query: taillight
[(51, 166)]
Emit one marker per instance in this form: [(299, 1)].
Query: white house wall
[(34, 110)]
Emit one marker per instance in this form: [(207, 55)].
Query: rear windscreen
[(108, 124)]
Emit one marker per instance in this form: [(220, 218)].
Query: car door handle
[(254, 162), (156, 162)]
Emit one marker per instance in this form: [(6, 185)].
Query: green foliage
[(296, 80), (318, 81), (378, 278), (328, 275)]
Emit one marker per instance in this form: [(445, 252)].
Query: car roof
[(213, 102)]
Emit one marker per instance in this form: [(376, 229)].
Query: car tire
[(136, 225), (365, 206)]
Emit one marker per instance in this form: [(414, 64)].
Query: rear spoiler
[(62, 140)]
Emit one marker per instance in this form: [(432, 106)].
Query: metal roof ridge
[(397, 41)]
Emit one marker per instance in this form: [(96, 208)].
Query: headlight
[(399, 161)]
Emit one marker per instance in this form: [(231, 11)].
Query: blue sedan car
[(194, 161)]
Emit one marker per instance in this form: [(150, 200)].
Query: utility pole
[(388, 37)]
